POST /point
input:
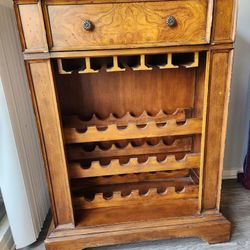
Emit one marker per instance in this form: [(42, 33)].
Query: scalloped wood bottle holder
[(134, 197), (100, 150), (132, 130), (166, 62), (80, 131), (78, 170)]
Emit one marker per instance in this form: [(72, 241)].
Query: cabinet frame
[(209, 224)]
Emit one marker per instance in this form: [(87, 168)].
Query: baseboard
[(230, 173)]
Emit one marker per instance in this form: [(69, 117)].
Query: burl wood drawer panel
[(119, 25)]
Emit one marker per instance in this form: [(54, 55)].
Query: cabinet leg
[(217, 233)]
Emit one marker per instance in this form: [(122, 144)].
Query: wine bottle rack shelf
[(78, 170), (131, 131), (76, 121), (151, 196), (78, 152), (168, 178), (115, 63)]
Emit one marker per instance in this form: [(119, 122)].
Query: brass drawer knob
[(171, 21), (88, 25)]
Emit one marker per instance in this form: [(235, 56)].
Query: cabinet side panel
[(220, 78), (224, 21), (42, 84)]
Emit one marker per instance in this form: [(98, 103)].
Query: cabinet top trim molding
[(58, 2)]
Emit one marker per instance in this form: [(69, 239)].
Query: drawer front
[(120, 25)]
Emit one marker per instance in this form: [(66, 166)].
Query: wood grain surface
[(121, 92), (219, 90), (114, 150), (170, 128), (41, 81), (224, 32), (128, 25), (151, 197), (144, 108), (133, 166), (30, 21)]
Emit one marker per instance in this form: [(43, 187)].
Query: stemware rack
[(136, 62)]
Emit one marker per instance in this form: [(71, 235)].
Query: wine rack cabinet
[(131, 103)]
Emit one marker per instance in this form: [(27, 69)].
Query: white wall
[(12, 181), (22, 176), (239, 109)]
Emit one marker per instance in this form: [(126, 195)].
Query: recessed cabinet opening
[(132, 128)]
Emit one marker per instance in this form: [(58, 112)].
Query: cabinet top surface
[(93, 1)]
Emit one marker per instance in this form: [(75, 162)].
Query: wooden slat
[(88, 68), (77, 184), (193, 64), (219, 88), (201, 111), (115, 67), (179, 145), (122, 52), (76, 121), (126, 187), (44, 97), (224, 28), (169, 64), (129, 51), (74, 2), (151, 197), (133, 166), (115, 217), (31, 27), (142, 65), (92, 134)]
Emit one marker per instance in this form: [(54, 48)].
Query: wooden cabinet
[(131, 102)]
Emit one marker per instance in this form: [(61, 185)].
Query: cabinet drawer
[(130, 25)]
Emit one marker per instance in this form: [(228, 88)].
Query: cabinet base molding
[(213, 228)]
